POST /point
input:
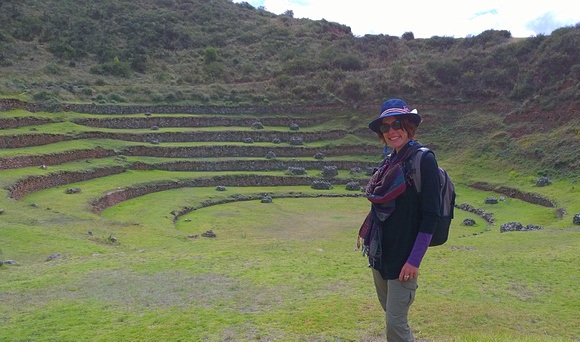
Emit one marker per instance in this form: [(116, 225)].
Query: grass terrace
[(167, 256)]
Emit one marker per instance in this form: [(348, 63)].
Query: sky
[(428, 18)]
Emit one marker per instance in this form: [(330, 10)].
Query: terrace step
[(40, 139), (196, 121)]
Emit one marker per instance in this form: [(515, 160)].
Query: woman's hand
[(408, 272)]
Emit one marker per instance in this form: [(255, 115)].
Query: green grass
[(284, 271)]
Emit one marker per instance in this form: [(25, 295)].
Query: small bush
[(43, 96), (347, 62), (87, 91), (120, 69), (115, 97), (101, 98)]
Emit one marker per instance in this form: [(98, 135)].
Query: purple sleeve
[(419, 249), (429, 208)]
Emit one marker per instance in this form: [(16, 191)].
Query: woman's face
[(395, 138)]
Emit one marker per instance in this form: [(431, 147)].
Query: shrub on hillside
[(120, 69), (445, 71), (210, 55), (298, 66), (408, 36), (347, 62), (43, 96), (116, 97), (353, 90), (284, 81)]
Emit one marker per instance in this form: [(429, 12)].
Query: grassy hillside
[(219, 52), (145, 128), (521, 95)]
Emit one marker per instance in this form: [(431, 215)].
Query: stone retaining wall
[(39, 139), (197, 121), (36, 183), (247, 151), (23, 122), (248, 165), (16, 162), (32, 184), (117, 196), (515, 193), (33, 139), (223, 136), (254, 197), (8, 104)]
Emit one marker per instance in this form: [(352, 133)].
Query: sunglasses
[(384, 128)]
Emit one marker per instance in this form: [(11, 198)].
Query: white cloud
[(427, 18)]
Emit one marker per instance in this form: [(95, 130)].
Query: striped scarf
[(386, 184)]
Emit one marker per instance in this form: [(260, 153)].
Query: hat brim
[(376, 123)]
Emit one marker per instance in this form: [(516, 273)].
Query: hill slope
[(516, 92), (219, 52)]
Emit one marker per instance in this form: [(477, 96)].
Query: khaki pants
[(396, 298)]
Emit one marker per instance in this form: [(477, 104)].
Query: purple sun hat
[(394, 107)]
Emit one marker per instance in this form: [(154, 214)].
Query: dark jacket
[(413, 213)]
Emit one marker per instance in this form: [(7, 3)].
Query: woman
[(400, 224)]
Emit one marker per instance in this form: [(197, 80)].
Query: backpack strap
[(415, 161)]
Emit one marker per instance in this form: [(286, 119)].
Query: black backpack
[(446, 194)]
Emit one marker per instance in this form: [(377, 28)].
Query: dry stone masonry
[(197, 117)]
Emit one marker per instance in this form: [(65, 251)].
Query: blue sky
[(427, 18)]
